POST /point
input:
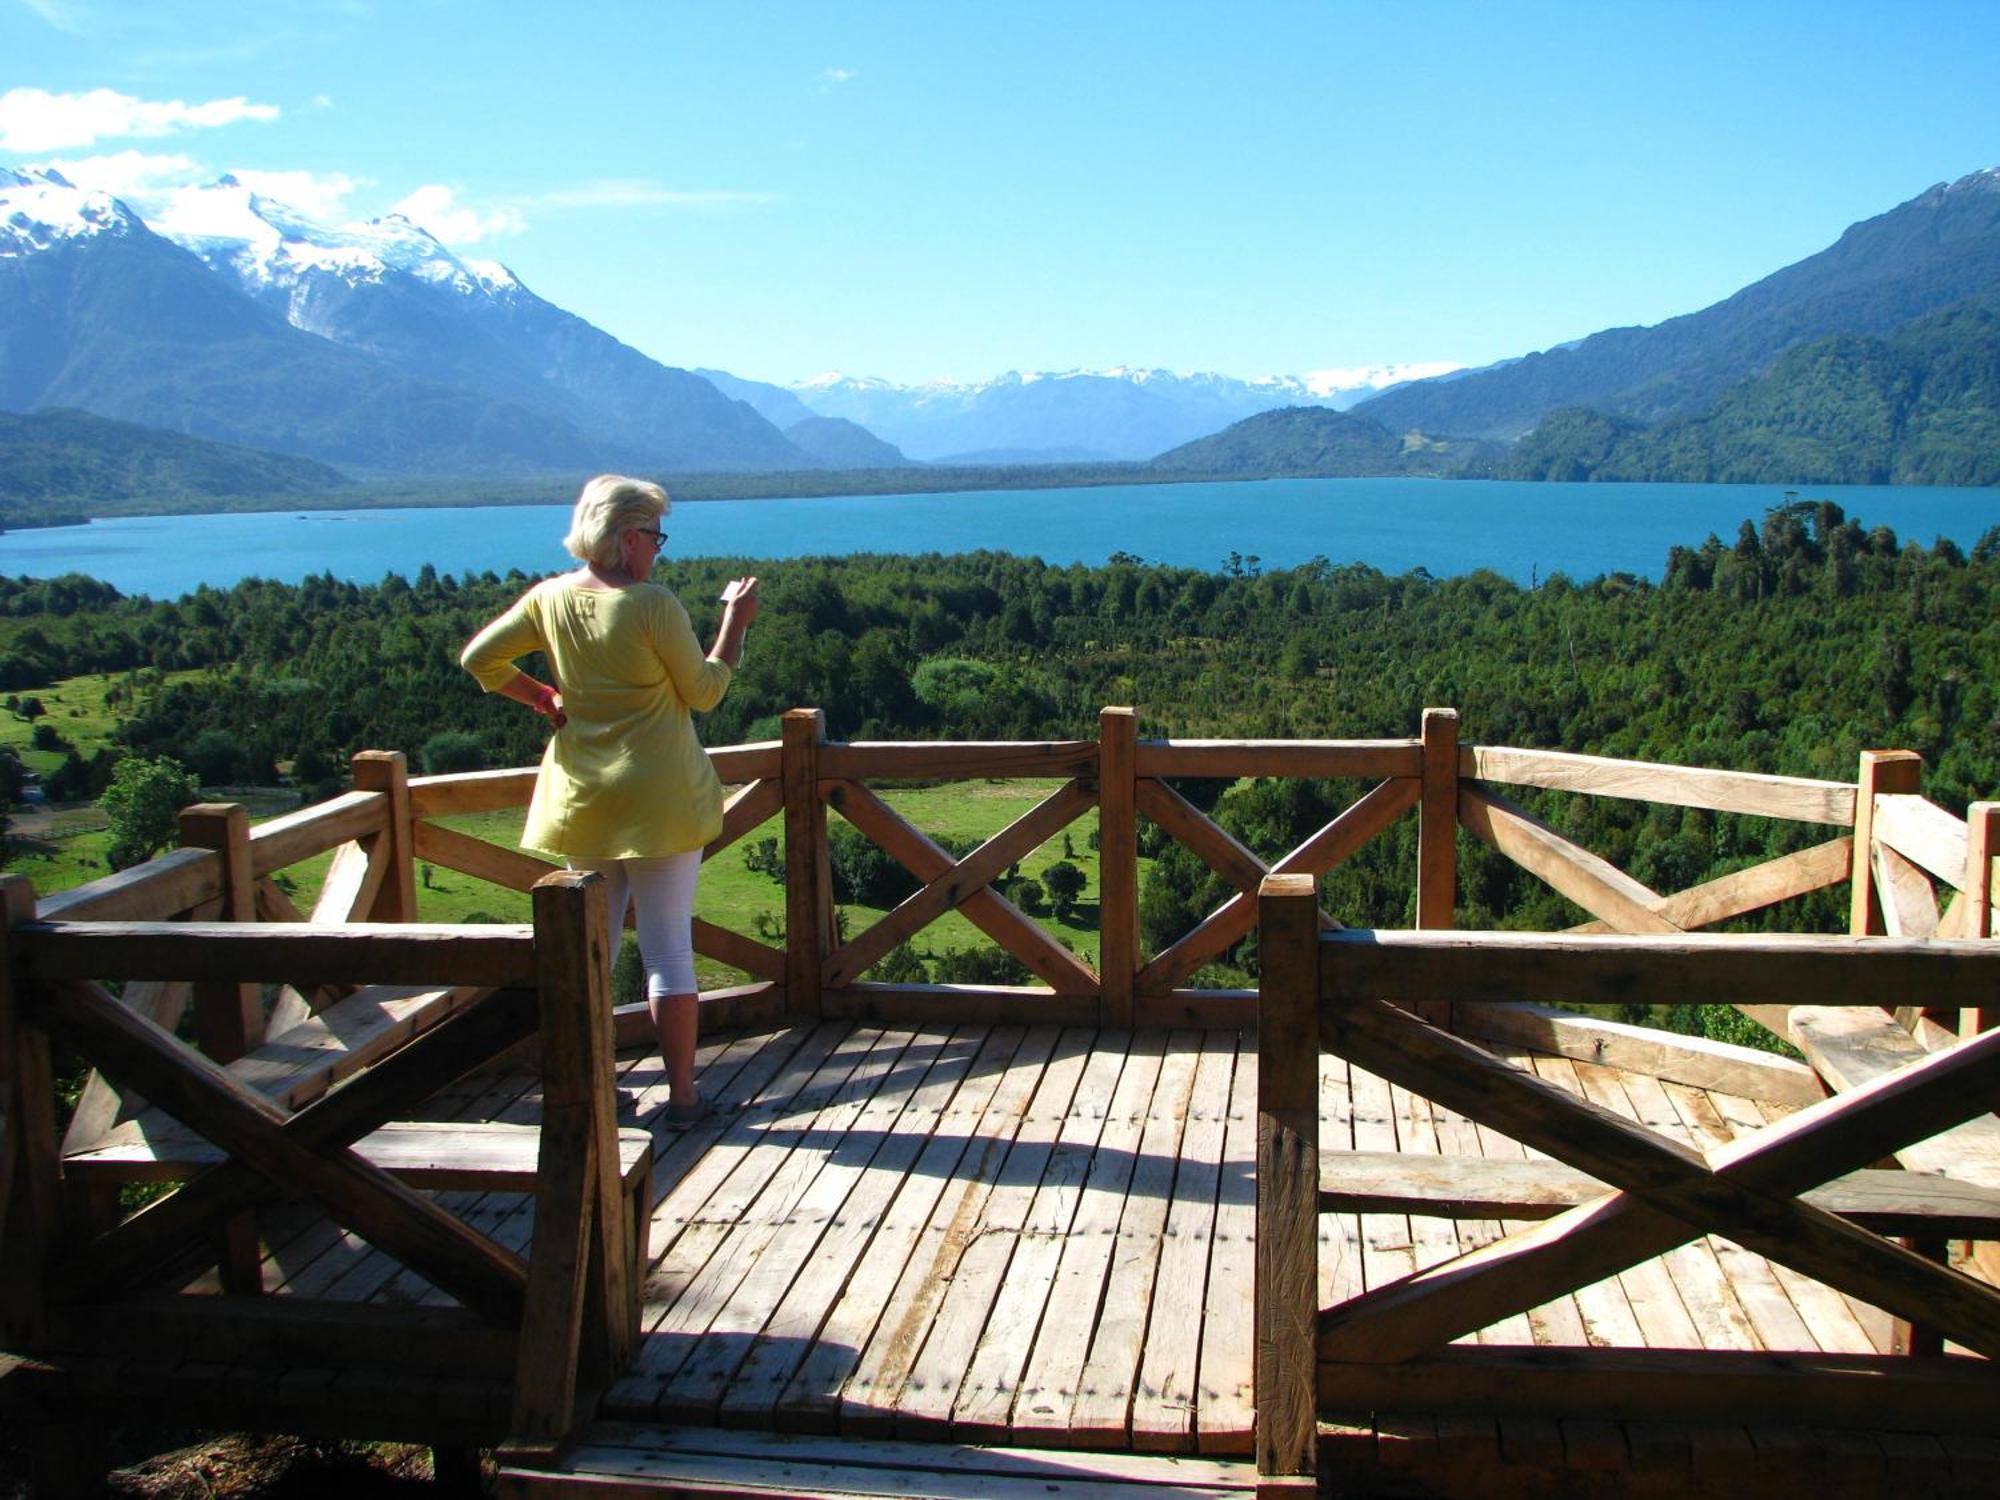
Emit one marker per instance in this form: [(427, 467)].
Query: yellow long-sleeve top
[(625, 778)]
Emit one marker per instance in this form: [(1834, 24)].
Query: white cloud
[(132, 175), (318, 195), (37, 120), (838, 75), (637, 193), (436, 207)]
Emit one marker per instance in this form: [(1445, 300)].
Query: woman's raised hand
[(739, 596)]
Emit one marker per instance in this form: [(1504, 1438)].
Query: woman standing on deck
[(625, 788)]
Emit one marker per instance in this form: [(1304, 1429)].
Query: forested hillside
[(1919, 406), (1790, 649)]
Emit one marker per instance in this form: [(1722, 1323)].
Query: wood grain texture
[(1790, 797)]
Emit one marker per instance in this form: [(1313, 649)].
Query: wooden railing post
[(808, 878), (578, 1264), (1881, 771), (1437, 837), (1982, 843), (228, 1018), (388, 771), (1117, 863), (30, 1159), (1285, 1305)]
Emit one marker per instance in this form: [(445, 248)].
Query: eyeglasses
[(659, 537)]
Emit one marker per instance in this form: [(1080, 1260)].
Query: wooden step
[(618, 1458)]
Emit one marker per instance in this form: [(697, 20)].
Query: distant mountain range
[(236, 320), (1938, 249), (1072, 416), (375, 349)]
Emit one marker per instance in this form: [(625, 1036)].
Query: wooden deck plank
[(1225, 1413), (710, 1202), (973, 1279), (1433, 1240), (1559, 1322), (902, 1123), (1456, 1135), (1101, 1413), (993, 1376), (1055, 1365), (1340, 1275), (1605, 1306), (811, 1399), (871, 1399), (1654, 1293), (775, 1233), (1163, 1405)]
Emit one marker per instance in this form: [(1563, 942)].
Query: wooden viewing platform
[(1104, 1234)]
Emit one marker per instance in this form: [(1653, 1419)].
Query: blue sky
[(950, 189)]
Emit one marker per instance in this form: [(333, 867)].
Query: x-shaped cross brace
[(1668, 1194)]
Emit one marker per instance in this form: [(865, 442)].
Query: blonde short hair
[(609, 506)]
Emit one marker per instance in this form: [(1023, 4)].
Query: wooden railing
[(200, 933), (374, 1013), (1390, 1348)]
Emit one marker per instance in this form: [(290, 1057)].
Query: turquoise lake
[(1522, 530)]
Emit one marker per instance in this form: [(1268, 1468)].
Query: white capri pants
[(661, 891)]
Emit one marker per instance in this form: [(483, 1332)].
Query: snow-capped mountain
[(104, 315), (42, 210), (1119, 413), (389, 288)]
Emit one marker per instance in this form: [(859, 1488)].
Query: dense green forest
[(1790, 649), (1920, 405)]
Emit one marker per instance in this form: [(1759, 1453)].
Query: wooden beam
[(1437, 827), (387, 772), (100, 1105), (229, 1018), (808, 876), (1119, 950), (1721, 1386), (953, 887), (739, 765), (31, 1226), (1208, 841), (1478, 1187), (958, 1004), (738, 951), (204, 1096), (1790, 797), (1287, 1175), (294, 836), (746, 808), (992, 913), (353, 880), (160, 888), (471, 792), (1753, 889), (1586, 970), (955, 760), (1670, 1194), (1909, 906), (1646, 1049), (1923, 833), (1362, 760), (507, 868), (1350, 829), (487, 955), (1600, 888), (1975, 903), (573, 1244), (1882, 771)]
